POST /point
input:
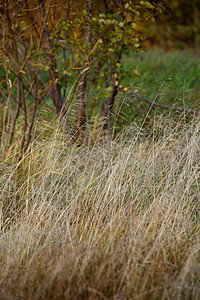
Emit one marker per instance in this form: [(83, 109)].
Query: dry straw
[(93, 223)]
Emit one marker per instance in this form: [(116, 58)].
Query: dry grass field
[(117, 220)]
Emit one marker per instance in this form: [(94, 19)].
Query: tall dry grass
[(118, 221)]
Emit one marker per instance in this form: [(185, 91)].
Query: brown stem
[(153, 103), (20, 80), (34, 112), (56, 92), (5, 13), (81, 104), (55, 87), (25, 114), (82, 115), (64, 50), (108, 102)]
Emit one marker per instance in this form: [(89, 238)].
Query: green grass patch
[(171, 78), (173, 75)]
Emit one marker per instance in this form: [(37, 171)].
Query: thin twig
[(158, 104)]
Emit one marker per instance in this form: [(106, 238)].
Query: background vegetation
[(179, 27)]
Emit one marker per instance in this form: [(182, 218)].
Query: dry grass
[(104, 223)]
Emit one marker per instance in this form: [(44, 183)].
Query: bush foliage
[(61, 51)]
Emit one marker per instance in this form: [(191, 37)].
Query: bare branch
[(153, 103)]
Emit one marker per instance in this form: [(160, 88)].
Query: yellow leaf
[(129, 18), (8, 153)]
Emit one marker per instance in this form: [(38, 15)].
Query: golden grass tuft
[(117, 222)]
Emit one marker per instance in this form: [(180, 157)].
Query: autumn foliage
[(55, 53)]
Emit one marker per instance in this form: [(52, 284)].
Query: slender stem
[(154, 103), (83, 116)]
